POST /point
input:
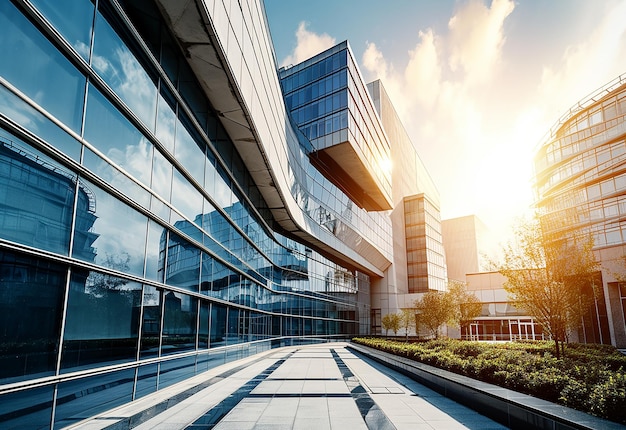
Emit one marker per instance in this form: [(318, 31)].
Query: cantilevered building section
[(329, 103), (580, 188)]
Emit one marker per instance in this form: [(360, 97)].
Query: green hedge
[(590, 378)]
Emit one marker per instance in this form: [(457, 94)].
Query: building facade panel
[(463, 243)]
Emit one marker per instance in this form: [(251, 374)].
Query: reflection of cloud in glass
[(161, 176), (18, 111), (188, 153), (139, 157), (185, 197), (222, 193), (136, 159), (166, 123), (121, 230), (82, 49), (121, 70), (136, 87)]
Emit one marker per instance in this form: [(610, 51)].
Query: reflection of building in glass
[(228, 211), (581, 193), (34, 199)]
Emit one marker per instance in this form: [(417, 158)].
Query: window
[(32, 293), (102, 320)]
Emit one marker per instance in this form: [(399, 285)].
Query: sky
[(477, 83)]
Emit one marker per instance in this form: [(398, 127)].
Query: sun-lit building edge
[(165, 207), (580, 188)]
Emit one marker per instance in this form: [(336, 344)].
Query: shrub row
[(590, 378)]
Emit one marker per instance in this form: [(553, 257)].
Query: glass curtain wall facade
[(136, 249), (581, 192)]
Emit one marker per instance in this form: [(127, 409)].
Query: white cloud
[(308, 44), (476, 38), (423, 72), (435, 95)]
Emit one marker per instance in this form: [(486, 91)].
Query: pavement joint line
[(219, 411), (298, 395), (372, 414)]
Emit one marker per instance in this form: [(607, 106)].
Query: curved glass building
[(581, 192), (170, 201)]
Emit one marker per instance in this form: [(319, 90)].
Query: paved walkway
[(310, 387)]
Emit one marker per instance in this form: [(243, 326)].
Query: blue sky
[(477, 83)]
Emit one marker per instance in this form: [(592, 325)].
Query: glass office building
[(581, 192), (330, 104), (164, 209)]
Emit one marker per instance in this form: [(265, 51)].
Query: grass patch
[(590, 378)]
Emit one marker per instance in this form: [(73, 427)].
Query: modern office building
[(419, 262), (581, 192), (463, 241), (169, 200)]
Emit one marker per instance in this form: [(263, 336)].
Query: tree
[(407, 321), (434, 309), (391, 322), (546, 275), (465, 305)]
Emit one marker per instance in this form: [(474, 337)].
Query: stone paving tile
[(246, 411), (343, 423), (314, 387), (336, 387), (281, 407), (273, 426), (344, 414), (314, 407), (312, 423), (267, 387), (234, 425), (273, 419)]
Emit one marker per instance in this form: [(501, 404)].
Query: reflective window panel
[(31, 308), (102, 322)]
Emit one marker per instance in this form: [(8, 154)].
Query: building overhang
[(342, 165)]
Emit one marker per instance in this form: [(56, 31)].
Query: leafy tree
[(465, 305), (407, 320), (434, 309), (545, 277), (391, 322)]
